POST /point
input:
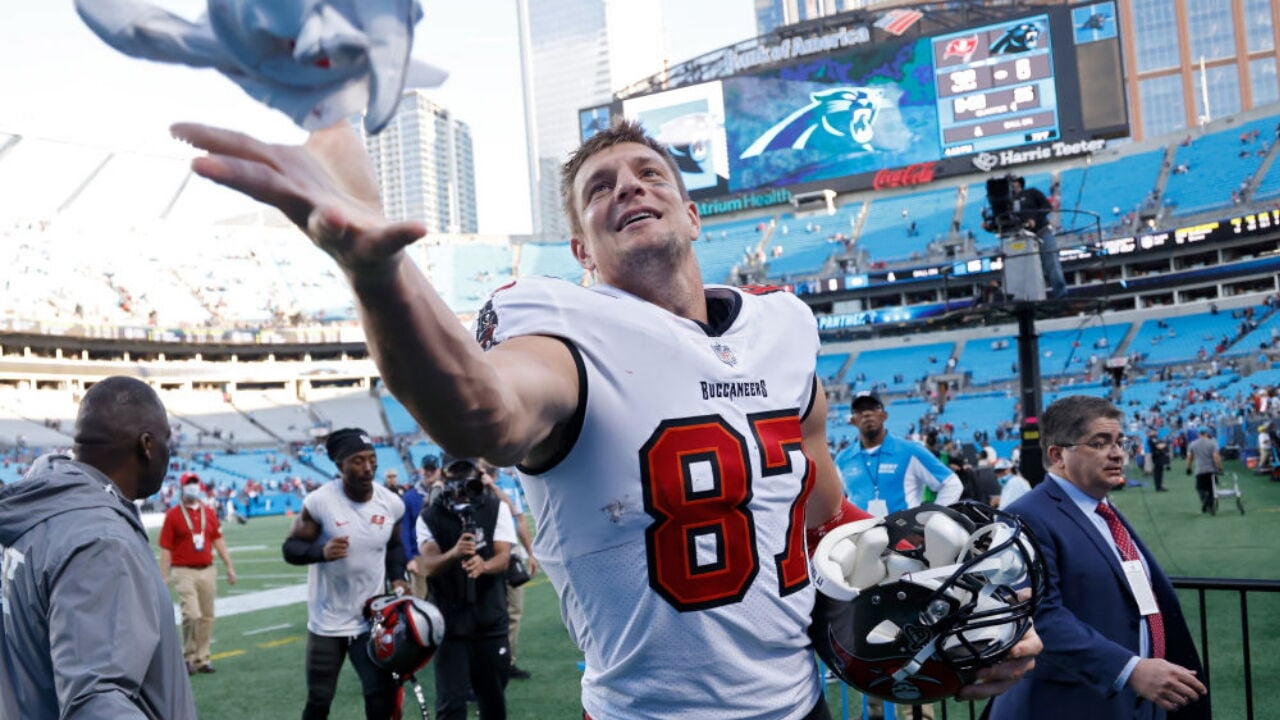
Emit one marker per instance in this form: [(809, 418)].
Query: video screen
[(956, 102)]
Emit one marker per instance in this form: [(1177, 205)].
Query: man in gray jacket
[(88, 628)]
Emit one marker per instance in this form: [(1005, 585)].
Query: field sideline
[(259, 652)]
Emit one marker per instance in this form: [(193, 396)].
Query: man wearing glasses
[(1116, 644)]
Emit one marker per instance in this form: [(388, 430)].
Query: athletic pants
[(382, 695)]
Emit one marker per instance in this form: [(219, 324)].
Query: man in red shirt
[(187, 540)]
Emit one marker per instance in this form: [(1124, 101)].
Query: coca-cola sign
[(917, 174)]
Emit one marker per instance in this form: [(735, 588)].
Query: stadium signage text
[(746, 201), (1006, 158), (790, 48), (917, 174)]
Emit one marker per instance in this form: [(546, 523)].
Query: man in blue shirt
[(414, 499), (884, 474)]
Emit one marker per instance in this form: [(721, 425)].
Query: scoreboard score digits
[(995, 87)]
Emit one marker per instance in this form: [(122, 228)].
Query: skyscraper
[(773, 14), (425, 167), (575, 54)]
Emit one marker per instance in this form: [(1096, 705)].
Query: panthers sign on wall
[(835, 119)]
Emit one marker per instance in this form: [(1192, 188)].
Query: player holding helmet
[(671, 436)]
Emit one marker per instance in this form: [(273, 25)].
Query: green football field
[(259, 654)]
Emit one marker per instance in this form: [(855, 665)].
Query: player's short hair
[(1063, 422), (622, 131)]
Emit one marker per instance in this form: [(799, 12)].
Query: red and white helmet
[(404, 632), (910, 606)]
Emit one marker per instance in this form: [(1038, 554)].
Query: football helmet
[(910, 606), (404, 632)]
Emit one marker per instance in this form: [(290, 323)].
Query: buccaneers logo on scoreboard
[(961, 47)]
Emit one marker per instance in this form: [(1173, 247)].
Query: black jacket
[(486, 616)]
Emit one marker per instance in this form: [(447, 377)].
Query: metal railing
[(852, 710)]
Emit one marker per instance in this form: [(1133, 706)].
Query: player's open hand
[(325, 186), (1000, 677)]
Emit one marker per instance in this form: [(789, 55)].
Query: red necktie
[(1124, 543)]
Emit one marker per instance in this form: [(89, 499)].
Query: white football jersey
[(673, 526), (337, 589)]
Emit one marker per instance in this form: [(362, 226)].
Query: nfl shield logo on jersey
[(725, 353)]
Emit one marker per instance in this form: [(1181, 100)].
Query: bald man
[(88, 628)]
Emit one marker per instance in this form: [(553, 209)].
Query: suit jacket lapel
[(1069, 508)]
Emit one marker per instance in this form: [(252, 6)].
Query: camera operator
[(466, 534), (1032, 209)]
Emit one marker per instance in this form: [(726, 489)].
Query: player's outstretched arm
[(501, 405)]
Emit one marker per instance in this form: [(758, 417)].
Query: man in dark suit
[(1116, 645)]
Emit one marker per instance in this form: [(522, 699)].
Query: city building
[(425, 166), (575, 54)]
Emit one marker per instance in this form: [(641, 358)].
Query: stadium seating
[(989, 359), (1184, 338), (1112, 189), (885, 234), (399, 420), (1067, 352), (549, 260), (466, 274), (346, 407), (1217, 164), (898, 370), (829, 367), (802, 245)]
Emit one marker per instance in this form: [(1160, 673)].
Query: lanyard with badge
[(197, 539), (876, 506)]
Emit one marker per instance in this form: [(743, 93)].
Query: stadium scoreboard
[(850, 108), (988, 100)]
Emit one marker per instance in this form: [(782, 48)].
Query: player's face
[(1095, 463), (630, 207), (358, 470)]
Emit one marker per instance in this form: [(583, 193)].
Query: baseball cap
[(1003, 464), (430, 462), (188, 478), (866, 399)]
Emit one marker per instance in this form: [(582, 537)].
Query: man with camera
[(465, 538), (1029, 209)]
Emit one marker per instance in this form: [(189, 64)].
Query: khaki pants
[(515, 609), (196, 589), (418, 585)]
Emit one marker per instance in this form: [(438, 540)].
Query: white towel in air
[(317, 61)]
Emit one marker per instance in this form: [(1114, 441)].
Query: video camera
[(463, 488), (999, 216)]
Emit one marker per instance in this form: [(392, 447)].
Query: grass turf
[(259, 654)]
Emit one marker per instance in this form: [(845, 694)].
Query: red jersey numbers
[(697, 480)]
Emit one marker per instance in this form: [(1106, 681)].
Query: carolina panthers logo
[(847, 113), (1017, 39), (1096, 21)]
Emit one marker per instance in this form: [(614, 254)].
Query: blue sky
[(60, 82)]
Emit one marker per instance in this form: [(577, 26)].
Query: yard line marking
[(252, 602), (278, 643), (225, 655), (259, 631), (246, 548)]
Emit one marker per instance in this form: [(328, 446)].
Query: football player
[(670, 436)]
